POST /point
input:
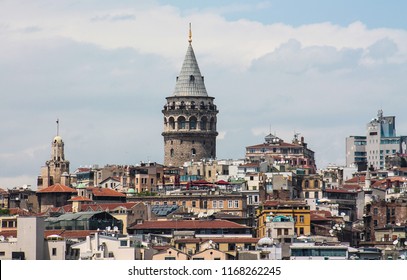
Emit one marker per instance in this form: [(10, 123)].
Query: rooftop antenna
[(190, 34), (57, 127)]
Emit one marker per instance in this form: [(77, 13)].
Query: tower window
[(192, 123), (181, 123), (171, 121), (204, 122), (172, 152), (191, 78), (193, 151)]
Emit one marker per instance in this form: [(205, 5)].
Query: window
[(230, 203), (54, 251), (306, 195), (306, 184), (169, 258), (301, 219), (181, 123), (301, 230), (215, 204), (220, 203), (316, 195), (375, 211), (236, 203), (286, 231), (193, 151), (172, 153), (193, 203), (192, 123), (2, 253), (123, 243)]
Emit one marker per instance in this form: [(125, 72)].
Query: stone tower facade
[(56, 170), (189, 117)]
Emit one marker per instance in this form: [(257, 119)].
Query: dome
[(265, 241), (57, 139)]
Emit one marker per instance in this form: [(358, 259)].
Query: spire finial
[(57, 126), (190, 34)]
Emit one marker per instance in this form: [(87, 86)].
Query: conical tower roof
[(190, 81)]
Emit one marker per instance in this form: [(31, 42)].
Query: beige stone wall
[(180, 140)]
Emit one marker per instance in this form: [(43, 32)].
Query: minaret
[(189, 116), (56, 169)]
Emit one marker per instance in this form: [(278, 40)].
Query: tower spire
[(190, 34), (57, 127)]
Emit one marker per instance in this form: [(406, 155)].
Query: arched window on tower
[(182, 105), (172, 106), (193, 151), (306, 184), (316, 184), (172, 153), (192, 123), (204, 123), (165, 122), (171, 122), (202, 105), (181, 122), (193, 105), (212, 124)]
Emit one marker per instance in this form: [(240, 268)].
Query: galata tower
[(189, 117)]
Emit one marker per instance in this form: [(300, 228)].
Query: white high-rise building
[(380, 141)]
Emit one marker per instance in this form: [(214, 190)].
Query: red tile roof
[(219, 240), (320, 215), (8, 233), (188, 224), (57, 188), (20, 212), (69, 233), (357, 179), (80, 198), (98, 192)]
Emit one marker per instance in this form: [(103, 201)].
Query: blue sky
[(319, 68), (373, 13)]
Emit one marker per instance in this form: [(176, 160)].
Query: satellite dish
[(395, 242)]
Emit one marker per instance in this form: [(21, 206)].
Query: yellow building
[(227, 245), (298, 210)]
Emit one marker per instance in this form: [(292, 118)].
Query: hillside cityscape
[(272, 204)]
